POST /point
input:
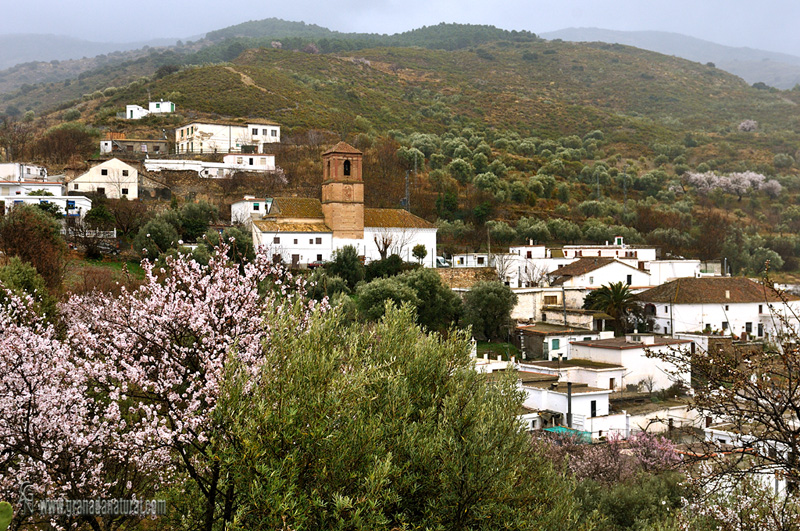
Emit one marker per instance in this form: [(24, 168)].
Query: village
[(582, 370)]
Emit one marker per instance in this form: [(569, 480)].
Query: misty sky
[(768, 24)]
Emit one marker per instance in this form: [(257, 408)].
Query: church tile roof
[(394, 217)]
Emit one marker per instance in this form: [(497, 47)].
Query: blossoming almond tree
[(138, 376)]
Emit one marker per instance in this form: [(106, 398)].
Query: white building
[(135, 112), (71, 206), (304, 230), (726, 305), (532, 301), (206, 137), (631, 352), (550, 341), (592, 273), (592, 373), (20, 171), (231, 163), (161, 107), (113, 178), (15, 188)]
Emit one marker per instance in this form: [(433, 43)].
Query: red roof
[(343, 147)]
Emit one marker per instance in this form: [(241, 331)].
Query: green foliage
[(460, 170), (387, 267), (35, 237), (99, 217), (419, 252), (195, 218), (51, 209), (21, 278), (375, 297), (321, 284), (239, 242), (616, 299), (487, 308), (533, 229), (157, 236), (500, 232), (6, 515), (384, 428), (347, 265), (438, 308), (562, 230)]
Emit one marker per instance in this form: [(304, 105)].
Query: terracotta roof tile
[(713, 290), (583, 266), (265, 225), (394, 217), (343, 147), (296, 207)]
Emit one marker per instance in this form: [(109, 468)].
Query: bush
[(34, 237), (487, 308), (347, 265)]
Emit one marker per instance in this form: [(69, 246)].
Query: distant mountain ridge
[(772, 68), (23, 48)]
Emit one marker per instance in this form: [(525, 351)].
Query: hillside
[(774, 69)]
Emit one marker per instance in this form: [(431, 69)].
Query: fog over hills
[(23, 48), (772, 68)]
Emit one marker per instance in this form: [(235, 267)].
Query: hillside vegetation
[(513, 140)]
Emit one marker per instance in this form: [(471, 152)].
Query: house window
[(276, 239), (295, 241), (556, 344), (591, 280), (311, 241), (101, 191), (480, 260), (629, 279), (593, 408), (347, 167), (274, 132), (124, 173), (319, 258), (760, 308), (666, 309), (76, 187), (255, 131), (529, 254), (760, 330), (550, 300), (264, 132), (724, 325), (256, 207), (727, 307), (250, 160), (319, 241), (748, 327), (124, 191), (104, 172)]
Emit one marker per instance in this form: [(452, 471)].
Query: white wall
[(219, 138), (305, 246), (78, 205), (135, 112), (229, 166), (695, 317), (613, 272), (544, 399), (405, 240), (161, 107), (637, 365), (663, 271), (18, 171), (9, 188), (115, 182)]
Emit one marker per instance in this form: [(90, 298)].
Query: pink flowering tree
[(131, 390), (738, 183)]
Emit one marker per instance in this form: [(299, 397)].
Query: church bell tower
[(343, 191)]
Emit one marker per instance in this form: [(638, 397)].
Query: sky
[(767, 24)]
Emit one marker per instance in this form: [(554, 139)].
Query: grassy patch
[(506, 350)]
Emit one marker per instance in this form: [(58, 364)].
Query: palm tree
[(615, 299)]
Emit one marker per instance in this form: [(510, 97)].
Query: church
[(302, 231)]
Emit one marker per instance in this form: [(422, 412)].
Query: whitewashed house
[(592, 373), (113, 178), (631, 352), (161, 107), (551, 341), (592, 273), (15, 188), (136, 112), (305, 230), (208, 137), (68, 205), (724, 305), (231, 163), (20, 171)]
